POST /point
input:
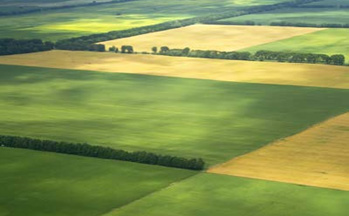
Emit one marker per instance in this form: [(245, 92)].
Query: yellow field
[(214, 69), (211, 37), (318, 156)]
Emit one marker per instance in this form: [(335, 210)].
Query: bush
[(101, 152)]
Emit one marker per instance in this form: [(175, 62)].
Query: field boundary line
[(276, 141), (251, 165), (150, 194)]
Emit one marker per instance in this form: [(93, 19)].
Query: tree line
[(323, 25), (262, 55), (40, 9), (9, 46), (84, 42), (337, 59), (339, 5), (282, 23), (101, 152)]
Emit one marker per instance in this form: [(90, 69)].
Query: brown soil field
[(318, 156), (211, 37), (214, 69)]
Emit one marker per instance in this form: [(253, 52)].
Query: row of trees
[(261, 55), (300, 57), (10, 46), (27, 10), (101, 152), (81, 43), (338, 5), (282, 23), (326, 25), (70, 45)]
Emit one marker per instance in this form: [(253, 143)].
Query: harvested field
[(214, 69), (211, 37), (318, 157)]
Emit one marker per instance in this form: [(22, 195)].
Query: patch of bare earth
[(318, 156)]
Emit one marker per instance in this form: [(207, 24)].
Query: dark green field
[(65, 23), (330, 3), (34, 183), (298, 15), (20, 6), (184, 117), (208, 194)]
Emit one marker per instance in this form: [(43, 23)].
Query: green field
[(58, 24), (13, 6), (184, 117), (209, 194), (298, 15), (330, 3), (330, 41), (35, 183)]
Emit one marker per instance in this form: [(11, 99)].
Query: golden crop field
[(211, 37), (318, 156), (214, 69)]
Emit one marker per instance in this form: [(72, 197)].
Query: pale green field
[(329, 41)]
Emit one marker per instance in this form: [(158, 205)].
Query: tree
[(126, 49), (164, 49), (154, 49), (112, 49), (186, 51), (337, 59)]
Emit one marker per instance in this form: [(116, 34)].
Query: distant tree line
[(323, 6), (299, 57), (82, 43), (326, 25), (10, 46), (101, 152), (261, 55), (282, 23), (40, 9)]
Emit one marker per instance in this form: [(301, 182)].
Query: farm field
[(330, 41), (298, 15), (13, 6), (330, 3), (158, 114), (206, 37), (210, 194), (266, 136), (66, 23), (214, 69), (318, 156), (38, 183)]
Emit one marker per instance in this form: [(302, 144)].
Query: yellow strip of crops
[(211, 37), (213, 69), (318, 156)]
